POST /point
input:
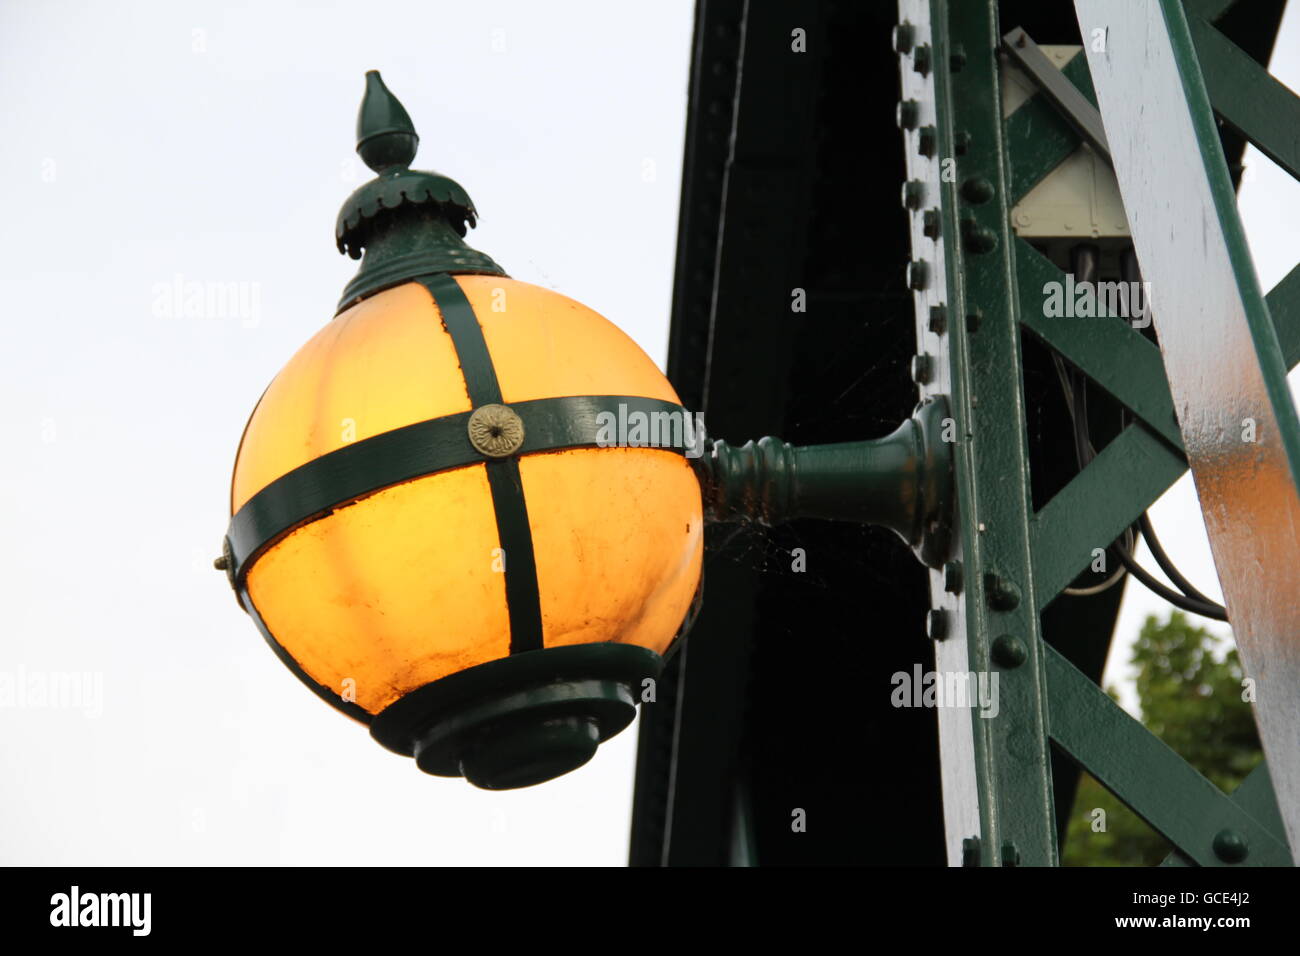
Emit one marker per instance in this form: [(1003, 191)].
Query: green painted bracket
[(902, 481), (1150, 778)]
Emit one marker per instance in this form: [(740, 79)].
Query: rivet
[(960, 142), (976, 238), (903, 37), (977, 190), (930, 223), (973, 319), (921, 59), (970, 851), (1010, 855), (907, 114), (1009, 651), (1003, 595), (1230, 846), (913, 194), (938, 322), (952, 577), (936, 624), (220, 563), (928, 141), (922, 369), (918, 274), (957, 59)]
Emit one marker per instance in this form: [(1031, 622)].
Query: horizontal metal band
[(340, 477)]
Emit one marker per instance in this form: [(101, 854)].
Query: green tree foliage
[(1193, 701)]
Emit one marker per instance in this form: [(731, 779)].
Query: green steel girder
[(1156, 783), (1246, 97), (1110, 351), (1256, 797), (1017, 561), (997, 772)]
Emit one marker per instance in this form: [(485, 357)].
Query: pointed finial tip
[(386, 136)]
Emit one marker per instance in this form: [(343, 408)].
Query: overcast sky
[(151, 144)]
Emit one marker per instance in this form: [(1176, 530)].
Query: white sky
[(214, 142)]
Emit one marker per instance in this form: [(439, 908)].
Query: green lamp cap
[(407, 221)]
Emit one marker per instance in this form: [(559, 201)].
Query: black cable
[(1187, 598), (1177, 599), (1166, 565)]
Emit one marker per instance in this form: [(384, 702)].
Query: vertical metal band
[(514, 532)]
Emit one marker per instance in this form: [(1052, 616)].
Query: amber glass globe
[(408, 585), (400, 588)]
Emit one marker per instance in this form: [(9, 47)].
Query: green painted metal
[(1124, 480), (1110, 351), (1040, 137), (1223, 359), (523, 719), (424, 448), (990, 285), (1064, 96), (1284, 306), (1002, 769), (1209, 9), (902, 481), (1256, 797), (385, 134), (1246, 97), (1148, 776), (1139, 466), (409, 223)]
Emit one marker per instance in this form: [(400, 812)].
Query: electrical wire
[(1187, 598)]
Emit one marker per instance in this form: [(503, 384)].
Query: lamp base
[(520, 720)]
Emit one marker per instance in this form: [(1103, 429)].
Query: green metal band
[(515, 535), (467, 336), (313, 490)]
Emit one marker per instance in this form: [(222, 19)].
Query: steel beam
[(1224, 363), (996, 772)]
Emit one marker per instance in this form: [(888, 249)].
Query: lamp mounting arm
[(903, 481)]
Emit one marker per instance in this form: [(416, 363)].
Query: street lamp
[(469, 511)]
